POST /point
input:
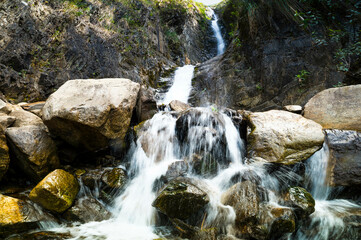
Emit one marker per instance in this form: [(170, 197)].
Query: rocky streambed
[(99, 155)]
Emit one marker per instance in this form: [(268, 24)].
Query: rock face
[(56, 192), (336, 108), (282, 137), (90, 113), (344, 166), (39, 56), (34, 150), (181, 200), (301, 200), (17, 216)]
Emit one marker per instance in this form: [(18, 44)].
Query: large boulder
[(344, 166), (56, 192), (181, 199), (90, 113), (282, 137), (34, 150), (18, 216), (336, 108)]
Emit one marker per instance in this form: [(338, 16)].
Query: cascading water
[(210, 135), (217, 33), (327, 222), (182, 85)]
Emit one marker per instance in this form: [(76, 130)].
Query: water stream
[(211, 131)]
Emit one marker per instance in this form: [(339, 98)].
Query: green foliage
[(302, 77)]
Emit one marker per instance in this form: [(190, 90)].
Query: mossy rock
[(181, 199), (56, 192), (114, 178), (301, 200)]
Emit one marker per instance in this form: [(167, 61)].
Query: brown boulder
[(282, 137)]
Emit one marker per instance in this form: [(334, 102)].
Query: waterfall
[(327, 222), (217, 33), (182, 85)]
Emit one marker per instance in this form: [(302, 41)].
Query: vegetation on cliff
[(45, 43)]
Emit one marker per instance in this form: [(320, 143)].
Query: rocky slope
[(281, 53), (45, 43)]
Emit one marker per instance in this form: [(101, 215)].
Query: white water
[(158, 147), (218, 35), (327, 221), (182, 85)]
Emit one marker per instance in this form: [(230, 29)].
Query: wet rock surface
[(18, 216), (86, 209), (336, 108), (282, 137), (301, 200), (344, 167), (180, 199), (56, 192)]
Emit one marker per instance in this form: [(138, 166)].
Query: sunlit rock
[(336, 108), (282, 137), (90, 113), (56, 192), (18, 216), (293, 108), (178, 106), (181, 199), (301, 200)]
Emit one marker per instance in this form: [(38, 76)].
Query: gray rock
[(344, 166), (336, 108), (85, 210), (91, 113), (282, 137), (181, 199)]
